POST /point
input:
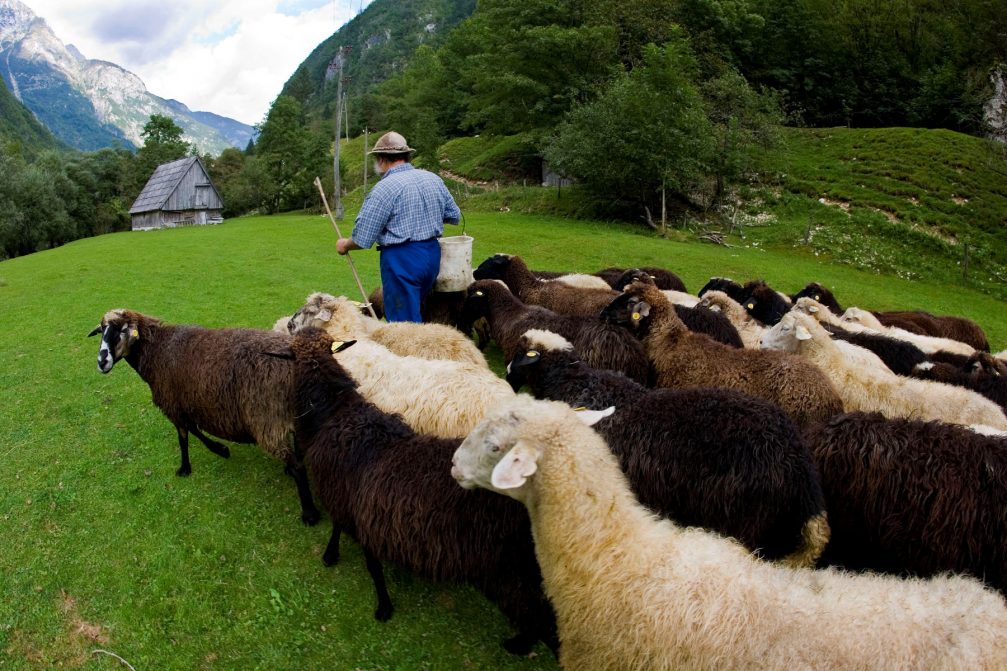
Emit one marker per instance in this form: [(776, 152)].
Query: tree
[(162, 143), (647, 135)]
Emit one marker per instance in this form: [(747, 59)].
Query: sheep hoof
[(330, 559), (184, 470), (223, 451), (521, 644), (384, 613), (310, 517)]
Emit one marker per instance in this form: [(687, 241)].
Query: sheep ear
[(812, 309), (592, 417), (281, 353), (324, 314), (515, 468), (134, 334), (640, 310), (529, 357), (96, 331), (803, 333)]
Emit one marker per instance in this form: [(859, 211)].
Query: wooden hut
[(179, 193)]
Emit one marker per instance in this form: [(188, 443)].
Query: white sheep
[(634, 592), (863, 319), (581, 280), (341, 318), (869, 389), (681, 298), (749, 329)]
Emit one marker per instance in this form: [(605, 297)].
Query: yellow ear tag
[(750, 306), (580, 409), (336, 345), (636, 316), (134, 333), (818, 298), (357, 304), (531, 353), (479, 293)]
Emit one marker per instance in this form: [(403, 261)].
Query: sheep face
[(475, 307), (787, 335), (763, 303), (863, 318), (119, 333), (492, 268), (629, 311), (502, 453), (314, 313), (633, 275), (533, 345)]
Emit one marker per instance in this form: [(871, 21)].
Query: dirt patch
[(957, 200), (71, 650), (841, 204), (890, 216)]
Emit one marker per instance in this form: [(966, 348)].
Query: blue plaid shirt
[(405, 205)]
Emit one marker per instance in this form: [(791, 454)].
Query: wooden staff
[(353, 268)]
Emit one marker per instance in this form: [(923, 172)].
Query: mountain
[(382, 40), (18, 125), (88, 103)]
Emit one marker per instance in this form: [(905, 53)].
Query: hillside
[(900, 201), (382, 39), (17, 124)]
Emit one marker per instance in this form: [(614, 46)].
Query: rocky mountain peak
[(15, 20)]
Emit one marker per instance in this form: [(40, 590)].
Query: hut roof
[(163, 183)]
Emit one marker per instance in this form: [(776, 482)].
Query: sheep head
[(725, 284), (634, 309), (120, 333), (633, 275), (503, 452), (337, 315), (819, 294), (533, 346), (788, 334), (763, 303), (493, 268), (855, 315), (820, 313)]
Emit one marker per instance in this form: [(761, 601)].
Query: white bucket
[(456, 263)]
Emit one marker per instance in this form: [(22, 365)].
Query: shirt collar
[(398, 168)]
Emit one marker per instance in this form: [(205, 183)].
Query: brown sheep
[(680, 358)]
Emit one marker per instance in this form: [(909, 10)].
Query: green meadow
[(104, 548)]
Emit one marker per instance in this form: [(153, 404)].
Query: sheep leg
[(211, 444), (299, 472), (521, 643), (331, 555), (183, 446), (385, 607)]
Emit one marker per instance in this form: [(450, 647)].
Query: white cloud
[(230, 57)]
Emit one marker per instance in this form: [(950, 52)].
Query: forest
[(679, 96)]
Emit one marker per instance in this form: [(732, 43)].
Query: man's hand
[(344, 245)]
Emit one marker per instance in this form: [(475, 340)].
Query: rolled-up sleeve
[(372, 218), (451, 212)]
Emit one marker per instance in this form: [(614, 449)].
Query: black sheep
[(913, 497), (728, 286), (714, 458), (602, 345), (391, 490), (764, 303), (820, 294), (900, 356), (980, 374)]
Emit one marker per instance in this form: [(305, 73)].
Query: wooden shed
[(179, 193)]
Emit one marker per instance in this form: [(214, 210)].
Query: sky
[(229, 57)]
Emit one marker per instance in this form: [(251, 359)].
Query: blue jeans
[(408, 273)]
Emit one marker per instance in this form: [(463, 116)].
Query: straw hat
[(391, 143)]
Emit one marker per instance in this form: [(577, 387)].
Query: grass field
[(103, 547)]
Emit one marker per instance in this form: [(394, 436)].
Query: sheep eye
[(494, 448)]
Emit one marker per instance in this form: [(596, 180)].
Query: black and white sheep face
[(787, 335), (117, 336)]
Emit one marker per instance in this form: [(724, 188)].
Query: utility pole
[(365, 160), (337, 196)]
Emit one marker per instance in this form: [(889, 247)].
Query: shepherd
[(404, 213)]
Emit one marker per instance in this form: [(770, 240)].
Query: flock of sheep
[(734, 479)]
